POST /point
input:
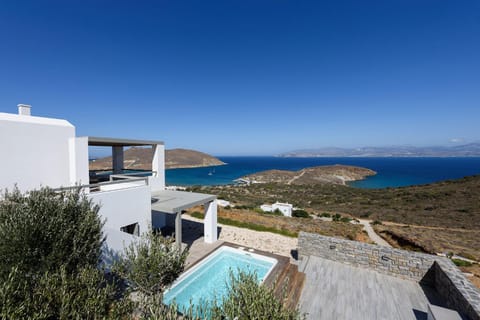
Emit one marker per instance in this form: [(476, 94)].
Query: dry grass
[(292, 225), (433, 240), (442, 216)]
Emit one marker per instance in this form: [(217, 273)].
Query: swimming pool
[(208, 279)]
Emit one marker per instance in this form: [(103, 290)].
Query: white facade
[(36, 152), (39, 151), (223, 203), (285, 208)]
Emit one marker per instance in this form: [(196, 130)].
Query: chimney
[(24, 109)]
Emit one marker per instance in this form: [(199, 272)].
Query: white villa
[(38, 151), (285, 208)]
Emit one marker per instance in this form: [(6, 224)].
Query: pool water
[(208, 280)]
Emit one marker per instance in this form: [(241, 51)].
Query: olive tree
[(151, 264), (42, 230)]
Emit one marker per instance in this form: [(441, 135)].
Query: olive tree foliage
[(59, 295), (42, 230), (50, 244), (248, 299), (151, 264)]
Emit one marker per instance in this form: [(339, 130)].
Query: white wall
[(124, 207), (285, 209), (35, 151), (266, 208), (79, 161), (158, 165)]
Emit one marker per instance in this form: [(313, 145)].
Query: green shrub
[(325, 215), (345, 219), (50, 246), (300, 214), (336, 217), (151, 264), (376, 222), (197, 214), (42, 230), (462, 263), (247, 299), (59, 295)]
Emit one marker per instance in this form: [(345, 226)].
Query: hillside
[(467, 150), (141, 159), (337, 174), (437, 217)]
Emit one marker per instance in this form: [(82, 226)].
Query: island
[(334, 174), (136, 158)]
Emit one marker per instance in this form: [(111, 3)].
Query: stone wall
[(390, 261), (457, 291)]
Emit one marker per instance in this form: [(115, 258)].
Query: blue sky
[(248, 77)]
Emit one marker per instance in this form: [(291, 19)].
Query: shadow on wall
[(191, 230)]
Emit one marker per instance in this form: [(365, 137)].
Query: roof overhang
[(117, 142), (170, 201)]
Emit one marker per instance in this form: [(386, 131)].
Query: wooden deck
[(334, 290)]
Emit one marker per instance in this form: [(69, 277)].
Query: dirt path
[(387, 223), (372, 234), (296, 177)]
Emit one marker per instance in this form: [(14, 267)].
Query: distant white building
[(223, 203), (285, 208)]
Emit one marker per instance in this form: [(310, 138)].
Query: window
[(131, 229)]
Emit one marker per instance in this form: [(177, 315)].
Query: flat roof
[(170, 201), (117, 142)]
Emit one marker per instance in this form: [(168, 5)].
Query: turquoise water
[(209, 279), (391, 172)]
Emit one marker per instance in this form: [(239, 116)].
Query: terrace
[(352, 280)]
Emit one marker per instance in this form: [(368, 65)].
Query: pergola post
[(158, 167), (178, 229), (210, 222), (117, 159)]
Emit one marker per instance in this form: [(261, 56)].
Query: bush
[(247, 299), (151, 264), (42, 230), (336, 217), (325, 215), (50, 246), (59, 295), (300, 214), (376, 222), (462, 263)]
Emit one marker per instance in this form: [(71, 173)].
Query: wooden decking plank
[(336, 291)]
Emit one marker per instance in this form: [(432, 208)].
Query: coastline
[(391, 172)]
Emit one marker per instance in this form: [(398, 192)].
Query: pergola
[(164, 201), (117, 151), (174, 202)]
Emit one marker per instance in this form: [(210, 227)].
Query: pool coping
[(282, 261)]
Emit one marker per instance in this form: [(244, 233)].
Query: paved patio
[(334, 290)]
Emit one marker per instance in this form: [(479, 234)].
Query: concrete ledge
[(439, 313)]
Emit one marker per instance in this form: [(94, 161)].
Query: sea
[(391, 172)]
